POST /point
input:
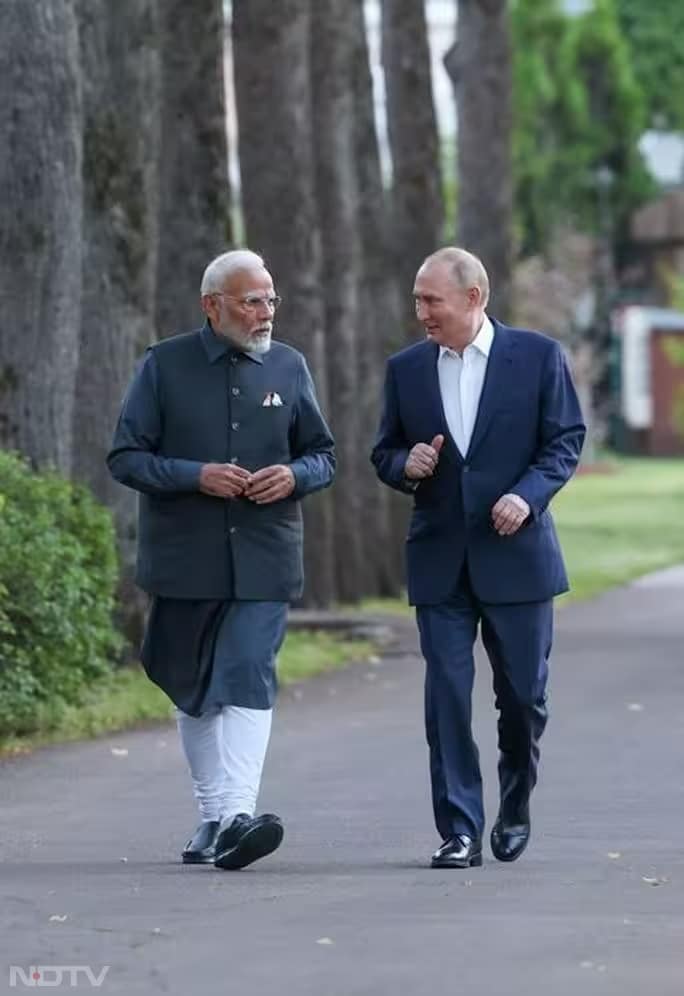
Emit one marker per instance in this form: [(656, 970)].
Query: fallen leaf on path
[(325, 940), (120, 751)]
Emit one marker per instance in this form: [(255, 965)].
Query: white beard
[(262, 344), (251, 344)]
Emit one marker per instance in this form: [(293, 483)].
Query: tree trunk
[(414, 144), (271, 44), (479, 65), (121, 113), (40, 228), (332, 75), (379, 329), (194, 210)]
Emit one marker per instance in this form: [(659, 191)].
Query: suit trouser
[(517, 638)]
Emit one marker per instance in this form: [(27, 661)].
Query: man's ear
[(207, 304), (474, 295)]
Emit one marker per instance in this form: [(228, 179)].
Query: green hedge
[(58, 576)]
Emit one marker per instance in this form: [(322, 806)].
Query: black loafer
[(247, 839), (200, 849), (460, 851), (509, 841)]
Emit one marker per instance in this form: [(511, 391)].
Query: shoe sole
[(474, 862), (254, 844), (193, 859)]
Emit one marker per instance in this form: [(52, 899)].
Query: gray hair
[(225, 265), (466, 269)]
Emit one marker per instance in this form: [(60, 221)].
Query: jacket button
[(234, 459), (235, 425), (236, 391), (466, 468), (232, 529)]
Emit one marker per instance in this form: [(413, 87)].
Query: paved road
[(89, 842)]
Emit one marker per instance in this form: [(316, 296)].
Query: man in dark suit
[(481, 424), (221, 434)]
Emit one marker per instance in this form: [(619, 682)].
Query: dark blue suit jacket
[(527, 439)]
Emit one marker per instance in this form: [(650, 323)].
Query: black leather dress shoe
[(509, 840), (460, 851), (199, 850), (247, 839)]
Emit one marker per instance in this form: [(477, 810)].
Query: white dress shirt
[(460, 383)]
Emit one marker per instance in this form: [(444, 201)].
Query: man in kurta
[(221, 434)]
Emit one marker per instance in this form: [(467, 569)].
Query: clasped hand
[(228, 480)]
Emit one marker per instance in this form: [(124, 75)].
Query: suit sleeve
[(312, 444), (134, 459), (391, 449), (561, 435)]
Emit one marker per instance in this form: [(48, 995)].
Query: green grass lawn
[(615, 524), (618, 525)]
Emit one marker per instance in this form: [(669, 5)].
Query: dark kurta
[(206, 654), (221, 571)]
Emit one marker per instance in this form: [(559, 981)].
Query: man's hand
[(270, 484), (223, 480), (509, 513), (423, 459)]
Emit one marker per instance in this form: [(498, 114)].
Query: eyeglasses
[(253, 301)]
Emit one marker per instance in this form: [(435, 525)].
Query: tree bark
[(120, 62), (194, 215), (379, 328), (332, 75), (40, 228), (414, 145), (479, 65), (271, 45)]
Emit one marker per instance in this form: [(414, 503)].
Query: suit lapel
[(497, 381), (430, 378)]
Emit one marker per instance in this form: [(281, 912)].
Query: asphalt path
[(90, 837)]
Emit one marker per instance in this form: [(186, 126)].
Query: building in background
[(649, 374)]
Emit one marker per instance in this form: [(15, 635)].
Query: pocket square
[(272, 400)]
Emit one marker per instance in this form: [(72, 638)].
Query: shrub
[(58, 574)]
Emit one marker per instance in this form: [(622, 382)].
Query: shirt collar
[(217, 346), (482, 341)]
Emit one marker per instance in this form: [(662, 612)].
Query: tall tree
[(194, 215), (271, 46), (334, 120), (120, 65), (379, 325), (40, 227), (479, 65), (414, 144), (539, 30), (607, 114), (654, 33), (579, 114)]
